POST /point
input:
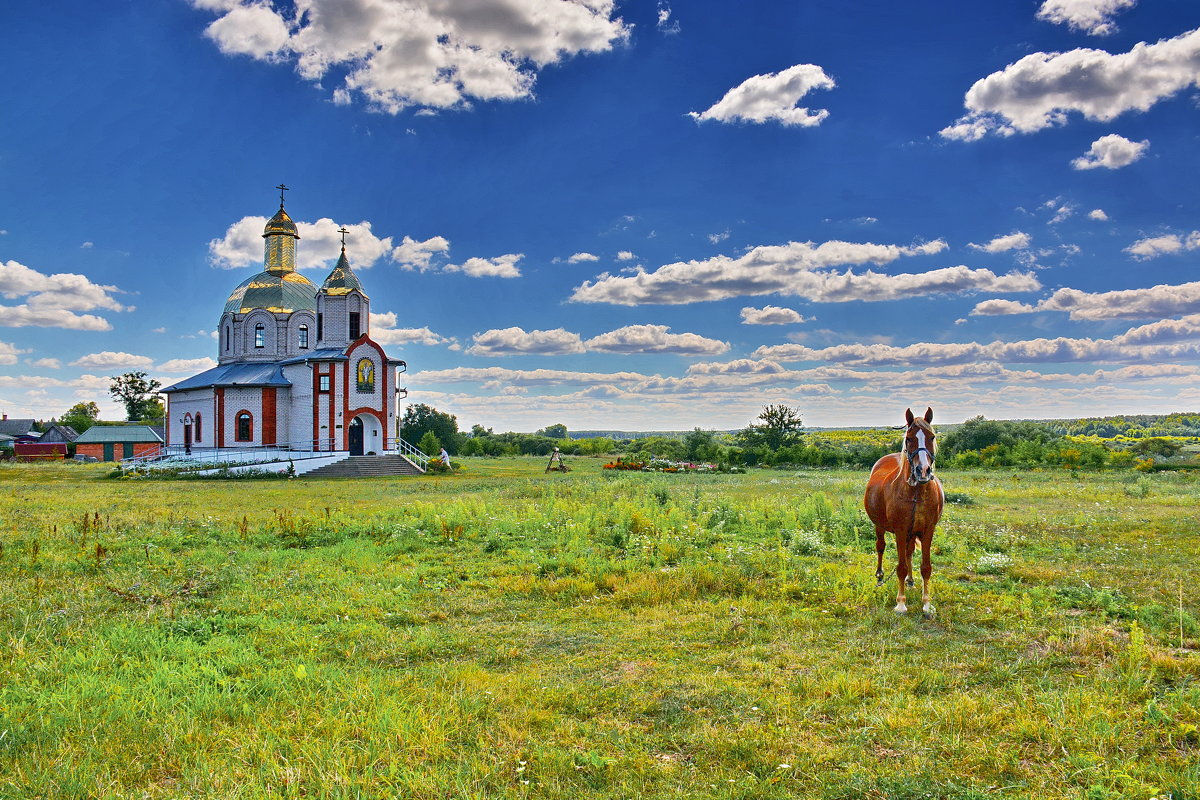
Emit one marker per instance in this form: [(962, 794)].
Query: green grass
[(506, 633)]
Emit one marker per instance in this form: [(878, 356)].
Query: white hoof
[(928, 610), (901, 608)]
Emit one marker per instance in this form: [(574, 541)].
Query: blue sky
[(622, 215)]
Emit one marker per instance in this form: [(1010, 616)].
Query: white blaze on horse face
[(924, 464)]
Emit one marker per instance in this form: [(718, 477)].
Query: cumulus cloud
[(1089, 16), (319, 245), (50, 301), (770, 315), (107, 359), (581, 257), (45, 363), (717, 238), (186, 365), (428, 54), (1013, 241), (772, 97), (504, 266), (1155, 246), (384, 331), (655, 339), (1043, 89), (1111, 152), (9, 353), (625, 255), (799, 269), (517, 341), (412, 254), (993, 308), (1098, 215), (665, 23)]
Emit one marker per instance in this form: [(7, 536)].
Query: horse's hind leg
[(880, 546), (926, 574), (902, 562)]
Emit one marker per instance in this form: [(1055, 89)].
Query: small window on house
[(245, 427), (323, 383), (260, 335), (303, 336), (355, 330), (320, 327), (197, 428)]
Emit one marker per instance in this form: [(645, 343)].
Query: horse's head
[(920, 447)]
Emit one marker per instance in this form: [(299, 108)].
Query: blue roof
[(262, 374), (118, 433), (324, 354)]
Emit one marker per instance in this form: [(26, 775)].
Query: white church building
[(297, 368)]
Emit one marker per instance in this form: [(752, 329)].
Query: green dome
[(278, 293)]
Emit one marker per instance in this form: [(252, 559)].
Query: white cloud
[(499, 267), (1155, 246), (384, 331), (319, 245), (517, 341), (87, 246), (397, 54), (9, 353), (772, 97), (44, 363), (1089, 16), (717, 238), (412, 254), (193, 365), (580, 257), (1043, 89), (993, 308), (625, 255), (51, 300), (1111, 152), (1012, 241), (796, 269), (1098, 215), (770, 315), (665, 23), (655, 339), (107, 359)]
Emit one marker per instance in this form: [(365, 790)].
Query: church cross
[(342, 230), (281, 189)]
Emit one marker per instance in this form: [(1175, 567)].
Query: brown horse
[(904, 497)]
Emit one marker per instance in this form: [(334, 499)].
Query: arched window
[(197, 429), (260, 335), (245, 427), (227, 337), (303, 336)]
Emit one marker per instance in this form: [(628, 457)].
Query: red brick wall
[(93, 450), (268, 415)]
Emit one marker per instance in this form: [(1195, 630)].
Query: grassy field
[(506, 633)]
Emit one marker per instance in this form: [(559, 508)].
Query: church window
[(324, 383), (245, 427), (260, 335), (303, 336), (196, 427), (320, 327), (227, 337), (355, 330)]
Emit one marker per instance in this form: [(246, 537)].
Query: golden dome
[(280, 294), (280, 224)]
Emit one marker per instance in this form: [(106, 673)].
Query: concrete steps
[(365, 467)]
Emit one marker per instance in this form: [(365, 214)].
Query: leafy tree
[(702, 445), (1157, 446), (979, 434), (420, 419), (137, 394), (430, 445), (480, 432), (778, 426), (558, 431), (81, 416)]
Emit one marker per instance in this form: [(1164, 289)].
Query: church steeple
[(343, 308), (281, 236)]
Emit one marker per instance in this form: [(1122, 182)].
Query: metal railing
[(189, 458)]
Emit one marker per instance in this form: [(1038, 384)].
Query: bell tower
[(343, 308)]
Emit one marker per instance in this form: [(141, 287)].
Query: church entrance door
[(356, 437)]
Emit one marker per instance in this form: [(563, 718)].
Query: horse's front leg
[(902, 568), (880, 546), (926, 574), (912, 545)]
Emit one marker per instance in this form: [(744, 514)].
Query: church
[(297, 368)]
